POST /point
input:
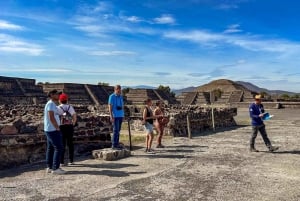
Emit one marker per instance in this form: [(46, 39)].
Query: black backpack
[(66, 118)]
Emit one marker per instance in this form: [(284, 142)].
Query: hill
[(257, 89), (222, 84), (188, 89)]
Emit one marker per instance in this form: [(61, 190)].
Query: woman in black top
[(148, 119)]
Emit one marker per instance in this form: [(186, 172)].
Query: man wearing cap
[(116, 111), (53, 134), (256, 111)]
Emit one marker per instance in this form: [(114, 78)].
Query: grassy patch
[(135, 139)]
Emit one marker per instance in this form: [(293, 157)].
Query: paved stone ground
[(217, 166)]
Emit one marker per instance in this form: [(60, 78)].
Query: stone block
[(109, 154), (9, 130)]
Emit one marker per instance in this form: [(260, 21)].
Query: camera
[(119, 108)]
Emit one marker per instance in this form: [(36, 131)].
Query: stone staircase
[(224, 98), (190, 98), (236, 96), (202, 98)]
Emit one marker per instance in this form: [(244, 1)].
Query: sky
[(172, 43)]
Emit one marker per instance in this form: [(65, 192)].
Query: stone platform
[(109, 154)]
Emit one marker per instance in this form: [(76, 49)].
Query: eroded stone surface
[(109, 154)]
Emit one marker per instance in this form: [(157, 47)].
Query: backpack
[(66, 118)]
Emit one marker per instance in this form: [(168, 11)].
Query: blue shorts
[(148, 127)]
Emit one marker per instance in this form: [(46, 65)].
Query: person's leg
[(49, 152), (147, 142), (64, 133), (70, 143), (116, 132), (253, 137), (150, 140), (120, 120), (160, 130), (151, 136), (55, 139), (264, 135)]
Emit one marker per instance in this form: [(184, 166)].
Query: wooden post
[(213, 118), (188, 123), (129, 132)]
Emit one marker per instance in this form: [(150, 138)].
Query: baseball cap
[(63, 97)]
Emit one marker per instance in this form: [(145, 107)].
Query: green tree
[(285, 96), (217, 93), (167, 90), (125, 91), (295, 96)]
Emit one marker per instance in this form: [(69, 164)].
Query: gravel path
[(217, 166)]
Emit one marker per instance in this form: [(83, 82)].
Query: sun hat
[(257, 97)]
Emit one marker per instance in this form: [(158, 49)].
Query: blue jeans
[(116, 131), (54, 149)]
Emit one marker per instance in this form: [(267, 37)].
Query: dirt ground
[(217, 166)]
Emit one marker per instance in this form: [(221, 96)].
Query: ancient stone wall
[(200, 119), (22, 138)]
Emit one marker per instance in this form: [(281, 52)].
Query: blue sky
[(174, 43)]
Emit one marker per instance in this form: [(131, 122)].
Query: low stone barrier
[(22, 139), (200, 119)]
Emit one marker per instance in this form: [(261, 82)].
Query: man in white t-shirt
[(53, 134)]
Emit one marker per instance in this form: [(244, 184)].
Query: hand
[(112, 120), (261, 115)]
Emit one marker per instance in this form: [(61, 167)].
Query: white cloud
[(133, 19), (234, 28), (102, 7), (165, 19), (14, 45), (9, 26), (90, 28), (112, 53), (247, 42)]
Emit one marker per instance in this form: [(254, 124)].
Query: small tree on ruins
[(166, 90)]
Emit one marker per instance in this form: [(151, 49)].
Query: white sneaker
[(48, 170), (62, 164), (70, 163), (58, 171)]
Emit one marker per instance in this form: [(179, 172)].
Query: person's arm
[(110, 110), (74, 115), (53, 120), (262, 108), (144, 115)]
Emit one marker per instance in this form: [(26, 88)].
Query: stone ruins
[(21, 115)]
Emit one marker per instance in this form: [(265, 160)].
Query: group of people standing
[(59, 133), (59, 121), (154, 119), (151, 119)]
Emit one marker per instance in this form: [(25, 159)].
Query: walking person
[(257, 111), (148, 119), (68, 119), (53, 134), (160, 122), (116, 112)]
